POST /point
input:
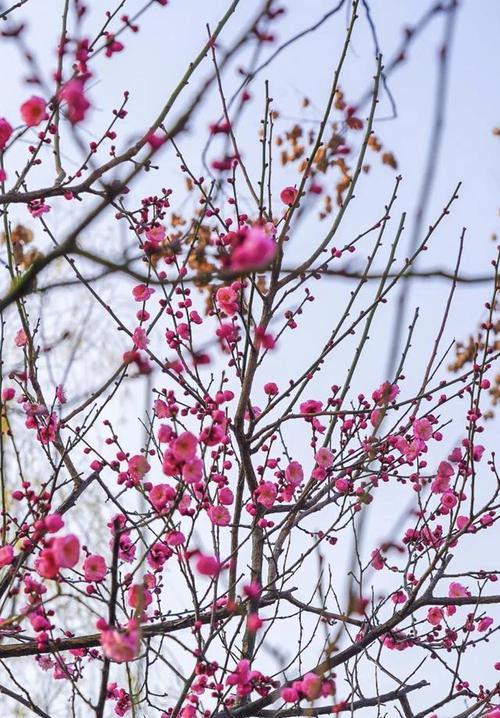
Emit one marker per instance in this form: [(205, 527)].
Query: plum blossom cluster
[(211, 503), (310, 687)]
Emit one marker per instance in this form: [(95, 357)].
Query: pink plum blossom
[(386, 393), (121, 645), (5, 132), (219, 515), (324, 457), (265, 494), (434, 615), (6, 555), (94, 568), (254, 252), (142, 293), (33, 111), (294, 473), (207, 565), (184, 446), (66, 551), (288, 195), (456, 590), (73, 96)]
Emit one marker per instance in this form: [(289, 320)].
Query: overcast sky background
[(469, 152)]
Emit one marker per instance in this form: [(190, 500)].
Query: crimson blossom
[(229, 488)]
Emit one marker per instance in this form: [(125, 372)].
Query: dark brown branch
[(348, 274), (398, 694), (92, 640), (24, 701)]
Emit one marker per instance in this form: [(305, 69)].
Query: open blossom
[(449, 500), (37, 207), (434, 615), (20, 339), (138, 466), (442, 481), (175, 538), (94, 568), (72, 94), (225, 496), (142, 364), (311, 406), (8, 393), (48, 432), (395, 642), (157, 555), (484, 623), (377, 561), (265, 494), (294, 473), (192, 471), (399, 597), (121, 645), (169, 464), (165, 431), (455, 455), (264, 339), (187, 711), (219, 515), (46, 564), (160, 495), (155, 236), (463, 522), (112, 45), (386, 393), (456, 590), (33, 111), (140, 338), (208, 565), (252, 590), (5, 132), (324, 457), (66, 550), (440, 484), (228, 333), (141, 292), (254, 252), (184, 446), (288, 195), (375, 417), (445, 469), (290, 694), (477, 452), (53, 522), (342, 485), (123, 702), (254, 622), (226, 300), (242, 677), (310, 687), (422, 429), (6, 555), (139, 596), (39, 622)]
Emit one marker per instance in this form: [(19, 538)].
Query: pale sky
[(469, 152)]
